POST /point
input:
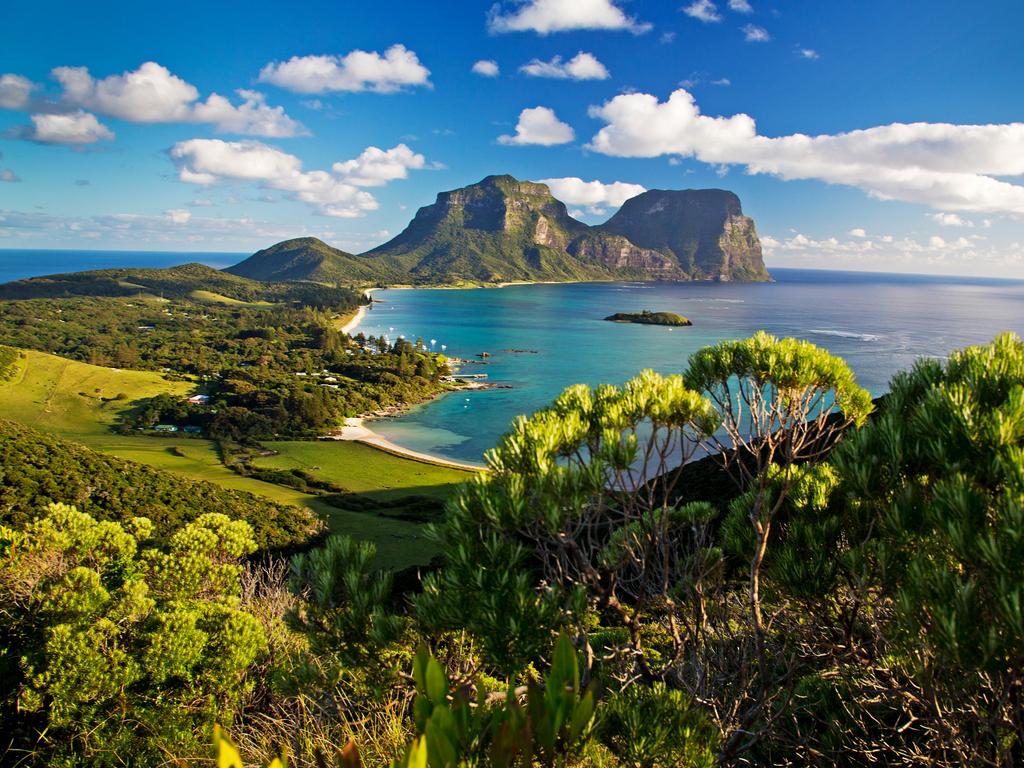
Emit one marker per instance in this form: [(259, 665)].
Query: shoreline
[(354, 321), (355, 430)]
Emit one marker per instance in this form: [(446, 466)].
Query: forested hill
[(38, 468), (189, 281), (502, 229)]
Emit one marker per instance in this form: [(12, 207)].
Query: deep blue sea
[(16, 264), (880, 323)]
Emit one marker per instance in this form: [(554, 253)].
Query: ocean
[(880, 323), (18, 264)]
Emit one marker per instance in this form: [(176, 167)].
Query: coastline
[(355, 429)]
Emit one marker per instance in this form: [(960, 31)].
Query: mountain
[(704, 230), (502, 229), (307, 258)]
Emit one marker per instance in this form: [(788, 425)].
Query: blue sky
[(870, 135)]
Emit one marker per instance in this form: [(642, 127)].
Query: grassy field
[(362, 469), (78, 401), (215, 298)]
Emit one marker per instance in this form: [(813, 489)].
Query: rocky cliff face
[(703, 229), (503, 229)]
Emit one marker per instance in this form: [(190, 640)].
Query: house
[(165, 428), (330, 379), (191, 430), (199, 399)]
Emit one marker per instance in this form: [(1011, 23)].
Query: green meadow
[(82, 402)]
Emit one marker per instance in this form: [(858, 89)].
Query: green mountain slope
[(307, 258)]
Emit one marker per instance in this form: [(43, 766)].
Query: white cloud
[(251, 118), (807, 53), (73, 128), (15, 91), (740, 6), (703, 10), (539, 125), (354, 72), (547, 16), (486, 68), (946, 166), (336, 193), (755, 34), (9, 176), (153, 94), (179, 215), (667, 37), (934, 255), (575, 191), (376, 167), (582, 66), (858, 232), (950, 220), (722, 81)]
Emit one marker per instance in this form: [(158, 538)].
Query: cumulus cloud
[(335, 193), (547, 16), (376, 167), (858, 232), (593, 194), (354, 72), (807, 53), (75, 128), (15, 91), (178, 215), (582, 66), (153, 94), (486, 68), (703, 10), (539, 125), (9, 176), (933, 254), (755, 34), (950, 220), (949, 167), (740, 6)]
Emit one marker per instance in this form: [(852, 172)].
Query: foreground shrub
[(117, 652)]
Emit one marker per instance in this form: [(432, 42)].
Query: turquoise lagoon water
[(880, 323)]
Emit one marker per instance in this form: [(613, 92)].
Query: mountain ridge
[(502, 229)]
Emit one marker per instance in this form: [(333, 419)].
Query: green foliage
[(552, 725), (552, 474), (656, 727), (37, 469), (941, 474), (116, 650), (801, 380), (8, 359), (342, 610)]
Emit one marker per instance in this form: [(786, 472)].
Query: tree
[(939, 478), (125, 650)]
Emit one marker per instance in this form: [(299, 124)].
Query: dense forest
[(854, 598)]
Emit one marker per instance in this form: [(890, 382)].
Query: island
[(649, 318)]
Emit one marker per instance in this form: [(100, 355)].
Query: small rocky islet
[(649, 318)]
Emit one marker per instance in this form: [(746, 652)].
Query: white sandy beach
[(356, 430)]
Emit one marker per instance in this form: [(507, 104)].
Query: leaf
[(227, 755), (436, 682)]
